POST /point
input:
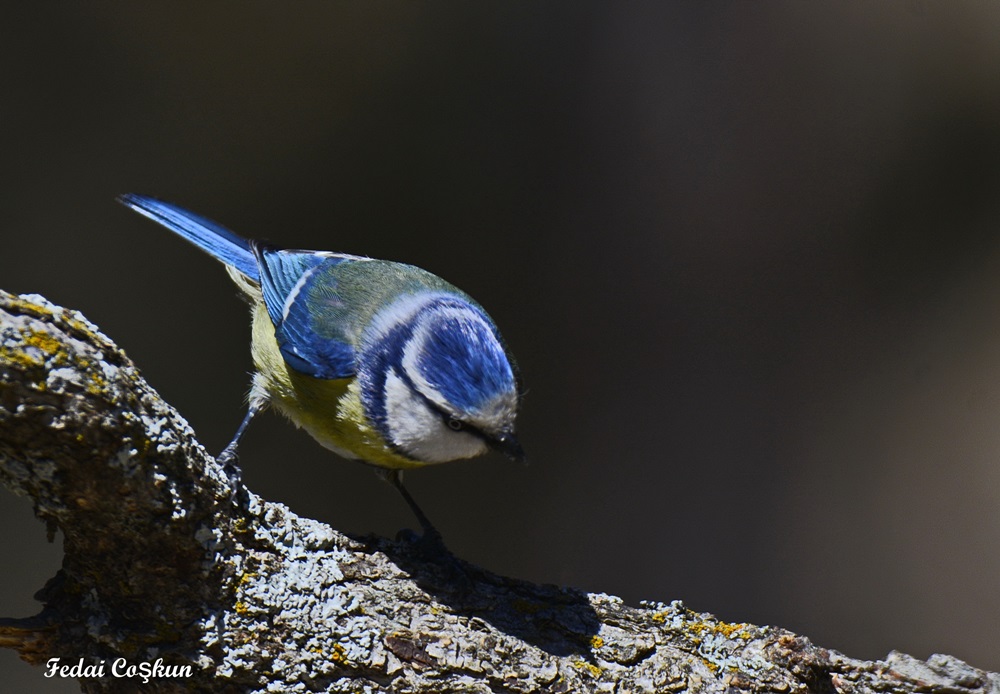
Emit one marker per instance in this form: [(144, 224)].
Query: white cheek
[(419, 431)]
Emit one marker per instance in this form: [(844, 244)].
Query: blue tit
[(379, 361)]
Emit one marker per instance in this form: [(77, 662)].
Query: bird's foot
[(230, 463)]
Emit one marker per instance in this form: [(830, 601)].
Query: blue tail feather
[(218, 241)]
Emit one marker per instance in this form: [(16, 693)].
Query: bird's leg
[(431, 544), (229, 458), (431, 535)]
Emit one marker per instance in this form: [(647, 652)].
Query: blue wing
[(218, 241), (299, 289)]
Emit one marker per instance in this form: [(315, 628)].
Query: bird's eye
[(455, 424)]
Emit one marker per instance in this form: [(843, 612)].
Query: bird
[(378, 361)]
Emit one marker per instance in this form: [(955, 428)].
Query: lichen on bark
[(162, 562)]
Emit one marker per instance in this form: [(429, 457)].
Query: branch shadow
[(560, 621)]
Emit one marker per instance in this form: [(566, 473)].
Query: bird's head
[(437, 381)]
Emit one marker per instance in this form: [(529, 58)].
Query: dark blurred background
[(746, 253)]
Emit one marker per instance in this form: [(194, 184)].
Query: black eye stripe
[(451, 421)]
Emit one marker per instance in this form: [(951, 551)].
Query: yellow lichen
[(730, 630), (242, 608), (142, 446), (81, 327), (697, 628), (46, 343), (20, 358), (96, 384), (589, 667), (19, 305), (339, 654), (659, 617), (596, 641)]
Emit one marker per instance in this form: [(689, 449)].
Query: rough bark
[(161, 562)]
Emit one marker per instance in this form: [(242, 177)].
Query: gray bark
[(160, 562)]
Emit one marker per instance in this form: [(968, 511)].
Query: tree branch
[(161, 563)]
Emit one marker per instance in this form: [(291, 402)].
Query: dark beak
[(509, 446)]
